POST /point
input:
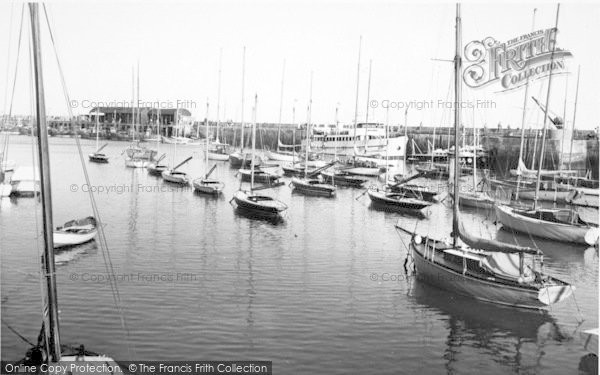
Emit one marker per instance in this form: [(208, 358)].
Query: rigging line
[(12, 95), (103, 243), (17, 333), (10, 27)]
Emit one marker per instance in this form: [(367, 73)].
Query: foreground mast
[(50, 318)]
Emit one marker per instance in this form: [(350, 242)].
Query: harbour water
[(323, 291)]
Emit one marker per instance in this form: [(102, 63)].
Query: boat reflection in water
[(479, 332)]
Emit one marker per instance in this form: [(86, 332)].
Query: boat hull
[(317, 188), (75, 232), (484, 290), (278, 156), (476, 200), (343, 180), (363, 171), (539, 228), (259, 176), (210, 187), (175, 178), (237, 160), (415, 191), (62, 240), (98, 158), (246, 202), (396, 202), (217, 156), (546, 195), (156, 170), (136, 163)]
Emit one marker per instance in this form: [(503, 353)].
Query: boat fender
[(417, 239)]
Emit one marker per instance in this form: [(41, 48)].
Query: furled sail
[(491, 245)]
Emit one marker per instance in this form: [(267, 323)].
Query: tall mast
[(97, 126), (387, 143), (541, 163), (51, 325), (253, 141), (337, 107), (158, 130), (457, 100), (219, 96), (308, 125), (243, 93), (368, 92), (357, 87), (474, 153), (367, 112), (564, 129), (280, 106), (294, 134), (133, 102), (523, 119), (574, 115), (137, 104), (206, 136)]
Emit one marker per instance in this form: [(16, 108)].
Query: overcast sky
[(177, 45)]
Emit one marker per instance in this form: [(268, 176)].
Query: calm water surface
[(312, 293)]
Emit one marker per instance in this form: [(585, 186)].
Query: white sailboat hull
[(136, 163), (541, 228), (278, 156), (476, 200), (218, 157), (62, 239), (545, 195)]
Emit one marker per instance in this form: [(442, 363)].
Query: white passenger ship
[(370, 138)]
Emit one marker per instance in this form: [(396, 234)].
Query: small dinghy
[(75, 232)]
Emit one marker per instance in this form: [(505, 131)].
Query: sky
[(178, 44)]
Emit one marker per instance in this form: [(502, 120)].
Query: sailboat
[(487, 270), (207, 185), (155, 168), (48, 350), (75, 232), (217, 150), (280, 154), (310, 185), (475, 198), (404, 199), (239, 159), (559, 224), (250, 201), (177, 177), (98, 157), (137, 156), (336, 176)]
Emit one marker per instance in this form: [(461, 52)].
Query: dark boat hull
[(487, 290), (397, 202), (319, 189), (344, 180), (98, 158), (245, 202)]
